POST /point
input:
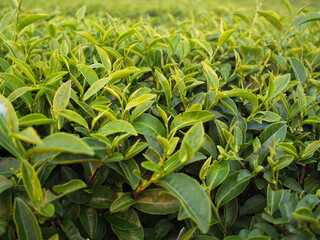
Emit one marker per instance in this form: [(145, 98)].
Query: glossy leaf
[(217, 174), (73, 116), (31, 182), (191, 142), (232, 187), (157, 201), (89, 220), (62, 142), (196, 202), (35, 119), (25, 221), (190, 118), (122, 202), (117, 126)]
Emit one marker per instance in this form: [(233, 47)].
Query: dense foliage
[(201, 128)]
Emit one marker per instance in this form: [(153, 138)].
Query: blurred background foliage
[(159, 8)]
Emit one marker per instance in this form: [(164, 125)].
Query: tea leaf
[(61, 142), (211, 77), (191, 143), (126, 220), (147, 124), (278, 85), (95, 87), (88, 73), (73, 116), (190, 118), (29, 19), (6, 19), (35, 119), (196, 202), (69, 187), (5, 183), (217, 174), (117, 126), (89, 220), (224, 37), (232, 187), (122, 202), (310, 149), (272, 18), (81, 13), (305, 18), (156, 201), (25, 221), (31, 182)]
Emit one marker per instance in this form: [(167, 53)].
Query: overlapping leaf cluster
[(205, 128)]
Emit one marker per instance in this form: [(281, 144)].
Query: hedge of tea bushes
[(186, 128)]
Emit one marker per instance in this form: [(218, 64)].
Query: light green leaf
[(81, 12), (191, 143), (278, 85), (196, 202), (104, 57), (274, 199), (6, 19), (19, 92), (299, 70), (123, 36), (31, 182), (272, 17), (35, 119), (240, 93), (190, 118), (117, 126), (62, 97), (73, 116), (88, 73), (283, 162), (95, 87), (311, 16), (139, 100), (203, 44), (310, 149), (28, 135), (122, 73), (29, 19), (211, 77), (14, 4), (146, 124), (61, 142), (165, 86), (224, 37), (16, 50), (26, 69)]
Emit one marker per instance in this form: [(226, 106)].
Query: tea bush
[(195, 127)]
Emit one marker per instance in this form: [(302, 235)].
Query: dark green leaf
[(25, 221)]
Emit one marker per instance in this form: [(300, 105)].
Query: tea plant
[(191, 128)]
